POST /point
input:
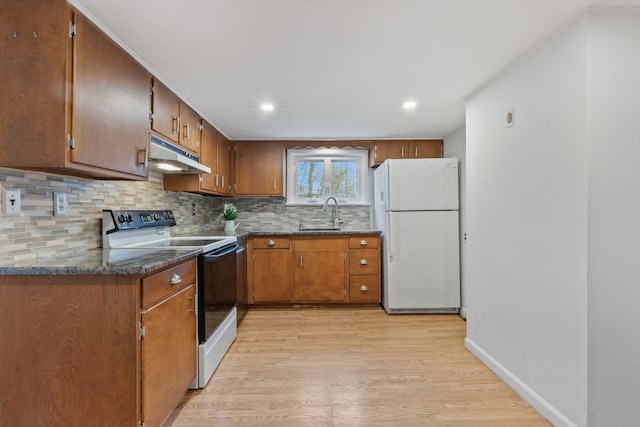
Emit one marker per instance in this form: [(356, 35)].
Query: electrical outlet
[(193, 209), (11, 202), (59, 204)]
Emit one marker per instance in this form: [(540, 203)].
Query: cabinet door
[(383, 150), (272, 275), (34, 73), (224, 169), (110, 104), (168, 354), (320, 273), (425, 149), (209, 157), (166, 111), (259, 168), (189, 129)]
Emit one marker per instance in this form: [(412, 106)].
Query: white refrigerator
[(416, 207)]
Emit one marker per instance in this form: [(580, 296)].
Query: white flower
[(229, 211)]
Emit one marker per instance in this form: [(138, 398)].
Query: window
[(315, 174)]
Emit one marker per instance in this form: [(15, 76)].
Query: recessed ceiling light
[(409, 105), (267, 107)]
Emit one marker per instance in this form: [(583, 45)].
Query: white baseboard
[(534, 399), (463, 313)]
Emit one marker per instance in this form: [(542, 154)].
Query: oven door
[(216, 288)]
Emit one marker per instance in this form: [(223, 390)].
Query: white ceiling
[(335, 69)]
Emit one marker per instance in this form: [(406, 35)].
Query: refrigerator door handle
[(388, 237)]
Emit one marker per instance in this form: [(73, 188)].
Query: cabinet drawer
[(158, 286), (364, 242), (270, 242), (364, 261), (364, 289)]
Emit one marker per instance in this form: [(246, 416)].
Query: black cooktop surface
[(190, 242)]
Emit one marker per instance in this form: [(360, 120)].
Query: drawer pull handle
[(271, 243), (363, 242), (364, 288), (145, 158), (363, 262), (175, 279)]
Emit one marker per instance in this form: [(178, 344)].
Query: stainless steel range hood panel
[(163, 152)]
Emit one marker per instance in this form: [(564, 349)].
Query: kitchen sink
[(319, 229)]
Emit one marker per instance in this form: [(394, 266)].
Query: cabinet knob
[(364, 288), (271, 243), (363, 262), (363, 242), (175, 279)]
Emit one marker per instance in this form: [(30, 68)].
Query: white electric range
[(216, 279)]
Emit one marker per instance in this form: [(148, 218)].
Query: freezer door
[(422, 184), (421, 262)]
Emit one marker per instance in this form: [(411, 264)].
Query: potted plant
[(229, 213)]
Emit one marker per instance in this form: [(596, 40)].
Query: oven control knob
[(121, 218), (129, 218), (156, 217)]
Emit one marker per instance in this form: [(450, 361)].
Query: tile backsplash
[(36, 232), (267, 213)]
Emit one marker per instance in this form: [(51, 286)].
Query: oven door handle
[(222, 252)]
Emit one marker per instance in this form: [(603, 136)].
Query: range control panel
[(129, 220)]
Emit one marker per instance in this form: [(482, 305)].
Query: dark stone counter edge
[(98, 261), (307, 232)]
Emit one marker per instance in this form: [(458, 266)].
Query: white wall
[(527, 226), (455, 146), (614, 219)]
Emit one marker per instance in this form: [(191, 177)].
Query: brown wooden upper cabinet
[(173, 119), (404, 149), (215, 153), (259, 168), (74, 102)]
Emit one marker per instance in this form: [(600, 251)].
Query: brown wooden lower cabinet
[(269, 269), (85, 350), (320, 270), (313, 269)]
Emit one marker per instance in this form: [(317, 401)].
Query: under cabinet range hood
[(170, 159)]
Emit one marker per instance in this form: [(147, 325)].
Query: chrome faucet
[(334, 211)]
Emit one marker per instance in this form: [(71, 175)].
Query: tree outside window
[(315, 174)]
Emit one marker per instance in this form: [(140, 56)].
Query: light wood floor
[(346, 367)]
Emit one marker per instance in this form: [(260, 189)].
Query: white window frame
[(295, 155)]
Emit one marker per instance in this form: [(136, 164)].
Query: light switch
[(509, 119), (11, 202)]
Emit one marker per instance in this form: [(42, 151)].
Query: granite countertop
[(309, 232), (140, 261), (99, 261)]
